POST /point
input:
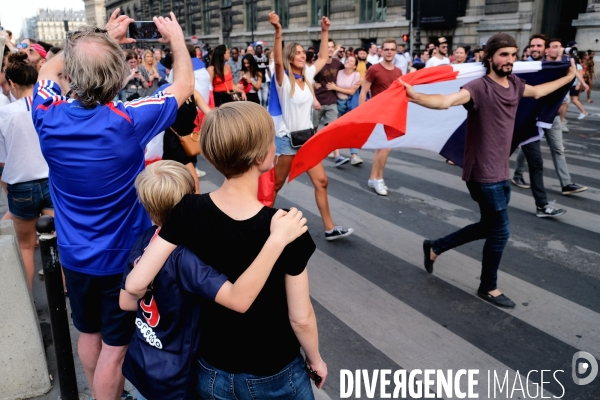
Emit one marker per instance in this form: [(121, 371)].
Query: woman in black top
[(255, 355), (250, 77)]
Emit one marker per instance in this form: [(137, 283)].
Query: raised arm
[(437, 101), (549, 87), (277, 48), (323, 48), (285, 228), (52, 69), (304, 323), (183, 75)]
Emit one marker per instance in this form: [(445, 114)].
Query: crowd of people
[(193, 295)]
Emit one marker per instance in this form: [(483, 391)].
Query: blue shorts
[(95, 307), (283, 146), (27, 200)]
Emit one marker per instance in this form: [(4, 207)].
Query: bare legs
[(577, 103), (317, 175), (26, 237), (379, 161), (102, 366)]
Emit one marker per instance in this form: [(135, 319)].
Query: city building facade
[(359, 22), (95, 12), (49, 25)]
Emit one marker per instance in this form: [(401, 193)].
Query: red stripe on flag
[(389, 108)]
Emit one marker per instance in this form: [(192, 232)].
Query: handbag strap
[(175, 132)]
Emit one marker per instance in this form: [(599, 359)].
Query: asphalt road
[(378, 309)]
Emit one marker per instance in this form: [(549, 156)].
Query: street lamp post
[(418, 29), (252, 2)]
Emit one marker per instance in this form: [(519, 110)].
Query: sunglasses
[(312, 373), (22, 46)]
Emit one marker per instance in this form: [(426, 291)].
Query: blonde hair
[(152, 65), (289, 51), (235, 136), (94, 65), (161, 186)]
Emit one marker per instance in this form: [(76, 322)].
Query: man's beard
[(539, 56), (361, 59), (500, 72)]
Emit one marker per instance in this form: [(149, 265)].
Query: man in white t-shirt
[(373, 58), (441, 56), (401, 63)]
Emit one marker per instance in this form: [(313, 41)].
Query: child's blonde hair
[(235, 136), (161, 186)]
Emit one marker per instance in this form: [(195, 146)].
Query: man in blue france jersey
[(94, 148)]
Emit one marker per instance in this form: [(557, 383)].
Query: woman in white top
[(296, 99), (347, 83), (25, 170)]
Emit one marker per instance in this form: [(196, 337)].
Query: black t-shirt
[(184, 125), (261, 341)]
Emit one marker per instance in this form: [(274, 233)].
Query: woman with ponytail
[(25, 170), (295, 95)]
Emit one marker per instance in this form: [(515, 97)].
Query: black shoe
[(499, 301), (426, 254), (520, 182), (338, 232), (549, 211), (573, 188)]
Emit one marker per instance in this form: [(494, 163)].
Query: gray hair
[(94, 65)]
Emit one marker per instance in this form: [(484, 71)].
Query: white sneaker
[(331, 155), (200, 173), (380, 188), (582, 116), (356, 160), (565, 129), (371, 183)]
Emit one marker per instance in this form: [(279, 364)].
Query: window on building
[(319, 9), (206, 17), (251, 15), (225, 3), (189, 13), (282, 8), (372, 10)]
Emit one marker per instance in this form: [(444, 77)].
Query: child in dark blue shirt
[(160, 361)]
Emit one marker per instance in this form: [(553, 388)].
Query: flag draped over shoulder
[(388, 120)]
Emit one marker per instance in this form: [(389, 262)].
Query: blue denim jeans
[(27, 200), (493, 226), (342, 106), (292, 382)]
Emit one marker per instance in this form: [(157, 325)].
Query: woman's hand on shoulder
[(287, 226)]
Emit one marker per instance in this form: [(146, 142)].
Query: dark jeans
[(533, 154), (292, 382), (493, 226)]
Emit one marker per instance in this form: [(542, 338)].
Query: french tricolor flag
[(389, 120)]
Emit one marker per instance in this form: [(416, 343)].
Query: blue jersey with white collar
[(94, 156)]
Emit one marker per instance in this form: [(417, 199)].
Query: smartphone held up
[(143, 30)]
